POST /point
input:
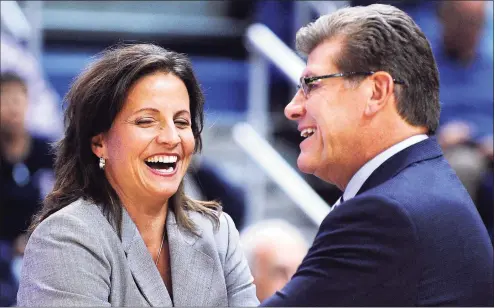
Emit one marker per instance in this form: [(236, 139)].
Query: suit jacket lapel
[(192, 269), (142, 267), (424, 150)]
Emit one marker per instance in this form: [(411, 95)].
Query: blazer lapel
[(192, 269), (142, 267), (424, 150)]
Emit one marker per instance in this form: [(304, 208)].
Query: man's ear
[(98, 145), (382, 90)]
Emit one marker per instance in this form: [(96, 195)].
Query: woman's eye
[(182, 123), (144, 121)]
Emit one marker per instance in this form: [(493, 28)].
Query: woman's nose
[(295, 109), (168, 135)]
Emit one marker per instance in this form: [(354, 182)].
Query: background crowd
[(44, 45)]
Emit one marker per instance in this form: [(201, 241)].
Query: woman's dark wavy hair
[(96, 97)]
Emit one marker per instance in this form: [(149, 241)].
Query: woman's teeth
[(162, 163), (166, 170), (162, 159)]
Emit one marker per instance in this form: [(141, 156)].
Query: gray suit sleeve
[(240, 288), (64, 265)]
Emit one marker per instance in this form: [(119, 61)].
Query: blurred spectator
[(274, 250), (8, 286), (25, 160), (44, 116), (210, 184), (25, 172), (466, 89)]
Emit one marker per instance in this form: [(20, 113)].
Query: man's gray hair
[(269, 231), (381, 37)]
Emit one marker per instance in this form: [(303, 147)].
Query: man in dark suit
[(405, 232)]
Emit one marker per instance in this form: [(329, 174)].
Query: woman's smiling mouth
[(162, 164)]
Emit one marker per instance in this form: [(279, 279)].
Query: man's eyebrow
[(307, 73)]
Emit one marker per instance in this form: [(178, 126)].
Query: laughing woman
[(117, 229)]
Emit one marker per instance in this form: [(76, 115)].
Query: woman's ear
[(98, 145)]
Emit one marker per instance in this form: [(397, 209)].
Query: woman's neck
[(150, 222)]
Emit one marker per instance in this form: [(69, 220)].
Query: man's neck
[(465, 58), (14, 146), (376, 145)]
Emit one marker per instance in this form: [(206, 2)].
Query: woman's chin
[(163, 191)]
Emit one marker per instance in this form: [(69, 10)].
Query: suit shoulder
[(81, 216), (211, 225), (428, 188), (218, 232), (373, 210), (371, 202)]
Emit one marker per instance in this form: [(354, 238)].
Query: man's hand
[(20, 244)]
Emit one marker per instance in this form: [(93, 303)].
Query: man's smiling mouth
[(307, 132)]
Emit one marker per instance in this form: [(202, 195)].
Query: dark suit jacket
[(411, 236)]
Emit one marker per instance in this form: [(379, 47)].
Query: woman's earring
[(102, 163)]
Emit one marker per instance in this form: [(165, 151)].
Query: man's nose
[(295, 109)]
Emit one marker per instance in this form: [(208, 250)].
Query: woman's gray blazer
[(75, 258)]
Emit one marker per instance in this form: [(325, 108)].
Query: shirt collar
[(367, 169)]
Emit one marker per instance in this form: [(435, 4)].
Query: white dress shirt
[(367, 169)]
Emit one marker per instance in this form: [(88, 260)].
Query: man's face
[(13, 107), (276, 263), (333, 110), (463, 23)]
